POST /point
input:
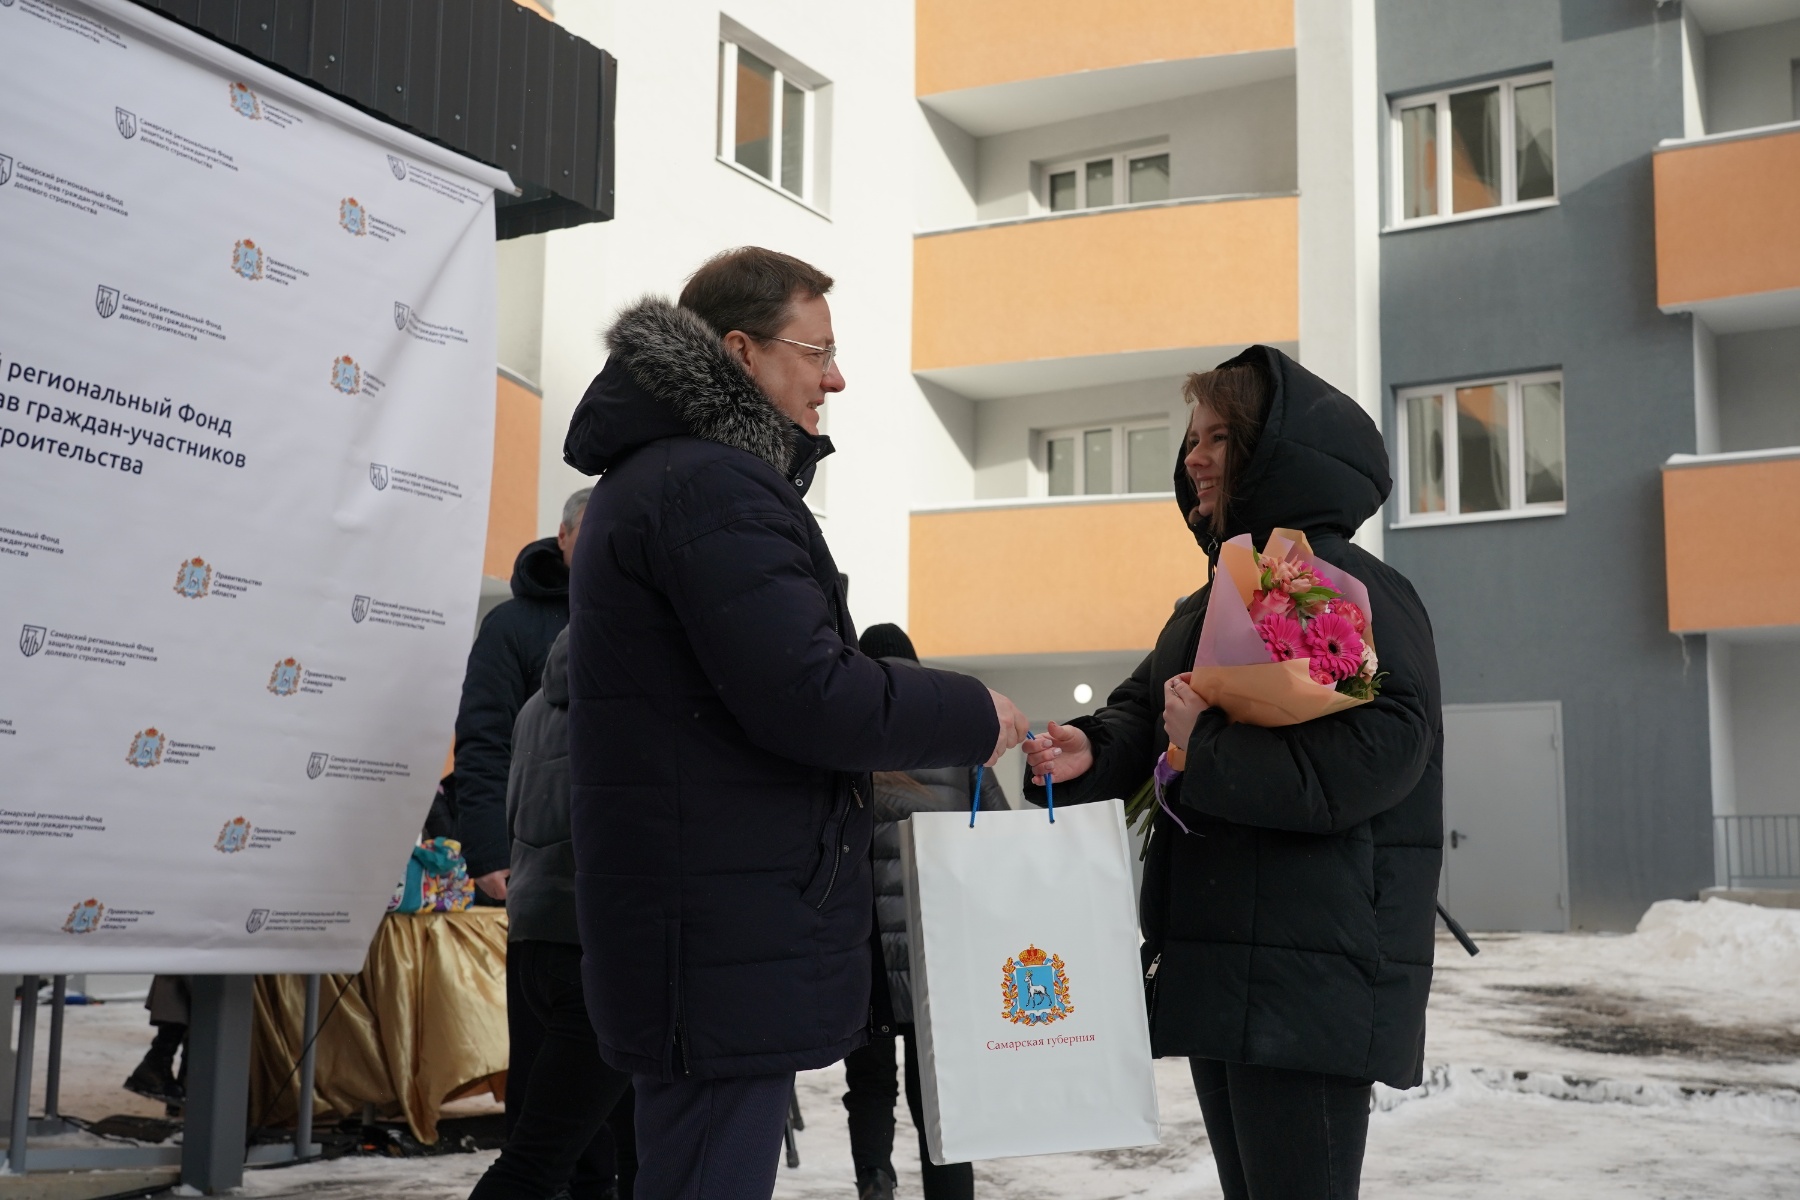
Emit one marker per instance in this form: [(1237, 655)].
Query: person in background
[(155, 1078), (723, 724), (505, 665), (870, 1073), (561, 1136)]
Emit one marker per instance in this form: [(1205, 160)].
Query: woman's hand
[(1063, 751), (1182, 706)]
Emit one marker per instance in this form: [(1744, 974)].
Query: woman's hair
[(1239, 394)]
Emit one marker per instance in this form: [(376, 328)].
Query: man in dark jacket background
[(505, 666), (723, 724)]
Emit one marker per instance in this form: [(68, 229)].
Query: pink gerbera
[(1334, 647), (1283, 636)]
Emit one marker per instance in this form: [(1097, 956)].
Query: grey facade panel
[(1574, 607)]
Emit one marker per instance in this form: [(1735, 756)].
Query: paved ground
[(1662, 1064)]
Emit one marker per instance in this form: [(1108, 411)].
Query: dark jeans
[(560, 1097), (710, 1139), (1283, 1135), (869, 1074)]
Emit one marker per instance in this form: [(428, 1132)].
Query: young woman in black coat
[(1289, 928)]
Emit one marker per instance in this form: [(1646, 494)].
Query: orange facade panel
[(513, 501), (1727, 219), (1717, 522), (1108, 282), (980, 584), (978, 43)]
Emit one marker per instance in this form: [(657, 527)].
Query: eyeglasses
[(830, 352)]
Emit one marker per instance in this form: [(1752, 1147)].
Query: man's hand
[(1013, 726), (1063, 751), (493, 884), (1182, 706)]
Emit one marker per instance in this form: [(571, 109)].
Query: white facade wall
[(1749, 76), (1005, 430), (1759, 389), (1765, 774)]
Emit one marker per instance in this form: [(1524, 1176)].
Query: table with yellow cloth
[(423, 1023)]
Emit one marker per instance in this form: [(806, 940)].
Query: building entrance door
[(1505, 863)]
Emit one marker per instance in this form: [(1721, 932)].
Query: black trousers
[(1283, 1135), (710, 1139), (871, 1079), (568, 1114)]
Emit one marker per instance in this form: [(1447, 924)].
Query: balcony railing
[(1757, 851)]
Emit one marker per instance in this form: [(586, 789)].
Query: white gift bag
[(1027, 986)]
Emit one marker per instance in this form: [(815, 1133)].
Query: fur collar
[(677, 358)]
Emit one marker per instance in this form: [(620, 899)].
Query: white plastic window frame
[(1509, 165), (728, 67), (1121, 465), (1515, 424), (1121, 162)]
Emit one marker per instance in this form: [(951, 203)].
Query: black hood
[(1318, 464), (556, 672), (539, 572), (667, 374)]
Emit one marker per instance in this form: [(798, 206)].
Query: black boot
[(155, 1077)]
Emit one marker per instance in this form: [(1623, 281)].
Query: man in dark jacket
[(505, 665), (723, 724), (564, 1092)]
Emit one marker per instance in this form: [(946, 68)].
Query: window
[(766, 120), (1474, 151), (1481, 450), (1107, 460), (1102, 181)]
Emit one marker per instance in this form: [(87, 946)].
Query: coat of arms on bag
[(146, 748), (284, 680), (126, 120), (353, 216), (85, 917), (346, 376), (316, 763), (247, 259), (234, 837), (244, 102), (31, 639), (193, 578), (106, 301), (1034, 988)]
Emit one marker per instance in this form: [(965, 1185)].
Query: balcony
[(979, 586), (1050, 303), (1728, 228), (995, 65), (1732, 548)]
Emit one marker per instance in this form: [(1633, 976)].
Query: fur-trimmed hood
[(667, 374)]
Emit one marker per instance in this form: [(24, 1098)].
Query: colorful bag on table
[(436, 880)]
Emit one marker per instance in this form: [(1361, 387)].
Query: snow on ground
[(1664, 1063)]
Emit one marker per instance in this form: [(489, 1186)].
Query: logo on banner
[(359, 608), (31, 639), (353, 216), (244, 102), (315, 764), (247, 259), (146, 748), (126, 120), (284, 680), (402, 314), (397, 166), (5, 168), (234, 837), (85, 917), (378, 477), (346, 376), (193, 578), (106, 301), (1034, 989), (256, 920)]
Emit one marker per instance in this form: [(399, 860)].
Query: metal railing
[(1758, 851)]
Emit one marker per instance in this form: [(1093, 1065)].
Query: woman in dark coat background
[(1289, 929)]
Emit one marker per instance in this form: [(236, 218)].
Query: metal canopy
[(486, 78)]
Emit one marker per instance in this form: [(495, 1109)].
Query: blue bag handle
[(1049, 790)]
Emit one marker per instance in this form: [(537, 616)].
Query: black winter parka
[(723, 724), (1293, 926)]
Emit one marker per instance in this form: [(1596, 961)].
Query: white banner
[(246, 431)]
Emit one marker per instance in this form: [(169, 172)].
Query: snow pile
[(1752, 946)]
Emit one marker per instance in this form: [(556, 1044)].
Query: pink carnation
[(1334, 647), (1270, 604), (1350, 612), (1283, 636)]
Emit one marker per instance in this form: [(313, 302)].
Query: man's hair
[(573, 505), (750, 289)]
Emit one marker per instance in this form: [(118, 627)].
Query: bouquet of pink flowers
[(1286, 640)]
